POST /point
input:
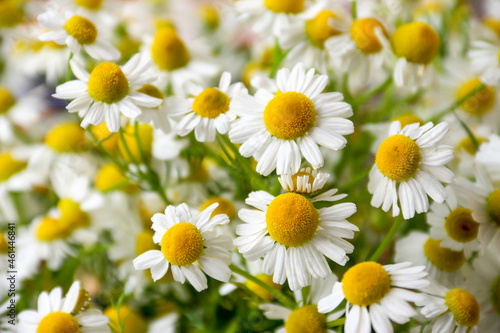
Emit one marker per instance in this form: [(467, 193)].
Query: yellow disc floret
[(467, 144), (493, 206), (131, 321), (289, 115), (408, 118), (460, 225), (89, 4), (263, 293), (66, 138), (418, 42), (398, 157), (82, 29), (50, 229), (363, 35), (110, 177), (151, 90), (168, 50), (479, 103), (285, 6), (210, 103), (6, 100), (493, 24), (463, 306), (306, 319), (443, 258), (107, 83), (182, 244), (11, 13), (292, 220), (9, 166), (72, 216), (130, 149), (4, 246), (145, 242), (209, 16), (366, 283), (302, 174), (225, 207), (318, 29), (58, 322)]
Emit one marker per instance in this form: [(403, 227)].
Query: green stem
[(388, 238), (335, 323), (367, 95), (16, 199), (469, 132), (286, 301), (457, 103), (354, 10), (107, 153), (68, 71)]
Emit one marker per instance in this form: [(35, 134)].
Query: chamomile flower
[(377, 295), (278, 129), (208, 111), (416, 44), (306, 181), (288, 231), (186, 246), (443, 264), (452, 310), (454, 225), (108, 91), (77, 32), (69, 314), (411, 158), (306, 317)]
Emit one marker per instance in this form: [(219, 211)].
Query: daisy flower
[(411, 158), (208, 111), (294, 237), (452, 310), (69, 314), (278, 129), (454, 225), (444, 265), (77, 32), (306, 181), (108, 90), (416, 44), (305, 318), (186, 246), (377, 295)]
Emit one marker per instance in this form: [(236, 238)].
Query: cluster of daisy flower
[(184, 166)]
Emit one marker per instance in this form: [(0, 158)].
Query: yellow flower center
[(289, 115), (89, 4), (363, 35), (225, 207), (292, 220), (107, 83), (82, 29), (495, 295), (168, 50), (4, 246), (366, 283), (146, 138), (467, 144), (131, 321), (11, 13), (318, 30), (108, 140), (58, 322), (261, 292), (460, 225), (285, 6), (152, 91), (9, 166), (463, 306), (493, 206), (418, 42), (72, 216), (481, 102), (6, 100), (182, 244), (398, 157), (50, 229), (210, 103), (66, 138), (306, 319), (145, 242), (210, 16), (443, 258), (493, 24), (408, 118), (110, 177), (301, 174)]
